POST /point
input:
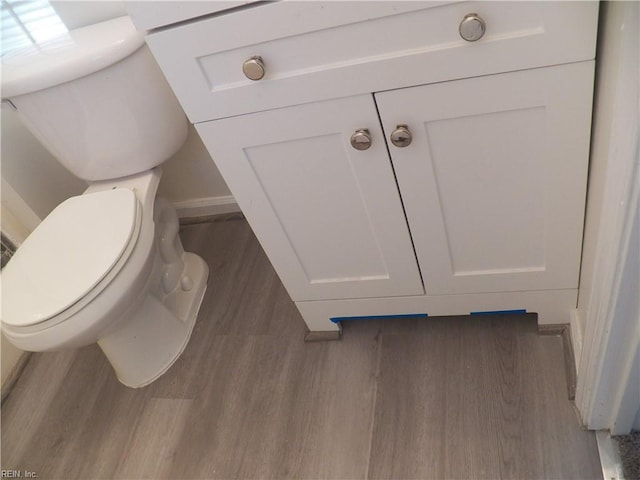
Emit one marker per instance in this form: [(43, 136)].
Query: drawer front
[(316, 50)]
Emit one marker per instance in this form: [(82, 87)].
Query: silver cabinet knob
[(361, 139), (401, 136), (472, 27), (253, 68)]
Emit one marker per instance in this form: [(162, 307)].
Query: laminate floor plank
[(274, 412), (150, 450), (102, 439), (567, 451), (24, 410), (468, 377), (244, 297), (491, 409), (409, 422), (242, 283), (54, 444), (328, 411), (455, 397)]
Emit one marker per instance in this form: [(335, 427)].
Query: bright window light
[(28, 22)]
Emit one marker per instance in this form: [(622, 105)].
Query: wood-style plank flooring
[(456, 397)]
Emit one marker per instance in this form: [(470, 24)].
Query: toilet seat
[(82, 243)]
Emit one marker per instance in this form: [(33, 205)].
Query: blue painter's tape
[(500, 312), (374, 317)]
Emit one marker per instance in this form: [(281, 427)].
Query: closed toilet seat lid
[(67, 255)]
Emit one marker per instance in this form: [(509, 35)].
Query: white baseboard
[(576, 336), (204, 207)]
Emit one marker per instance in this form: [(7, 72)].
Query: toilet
[(107, 266)]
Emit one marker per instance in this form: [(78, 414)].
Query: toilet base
[(156, 334)]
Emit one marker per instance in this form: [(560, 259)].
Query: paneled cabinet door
[(328, 216), (494, 180)]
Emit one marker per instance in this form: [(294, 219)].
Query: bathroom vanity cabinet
[(389, 166)]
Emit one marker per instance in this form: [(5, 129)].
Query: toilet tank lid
[(73, 55), (67, 255)]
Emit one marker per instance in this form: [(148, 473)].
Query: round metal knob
[(401, 136), (361, 139), (253, 68), (472, 27)]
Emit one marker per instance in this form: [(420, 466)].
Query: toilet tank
[(97, 101)]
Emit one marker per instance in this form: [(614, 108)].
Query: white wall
[(192, 182), (31, 170)]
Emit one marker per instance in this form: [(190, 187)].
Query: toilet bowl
[(107, 266)]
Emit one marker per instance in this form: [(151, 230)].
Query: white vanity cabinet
[(493, 185), (469, 195)]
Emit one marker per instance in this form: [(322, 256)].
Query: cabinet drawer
[(320, 50)]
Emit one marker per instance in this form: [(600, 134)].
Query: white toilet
[(106, 266)]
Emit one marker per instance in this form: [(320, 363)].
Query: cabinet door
[(328, 216), (494, 181)]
